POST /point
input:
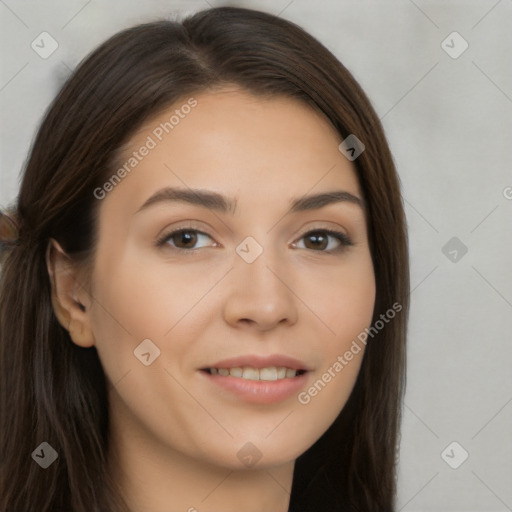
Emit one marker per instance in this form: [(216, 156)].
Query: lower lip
[(260, 391)]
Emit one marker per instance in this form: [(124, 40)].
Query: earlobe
[(80, 333), (69, 298)]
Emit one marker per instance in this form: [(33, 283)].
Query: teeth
[(250, 373), (268, 373), (236, 372)]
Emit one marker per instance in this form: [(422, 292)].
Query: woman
[(205, 304)]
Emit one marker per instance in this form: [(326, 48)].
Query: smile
[(270, 373)]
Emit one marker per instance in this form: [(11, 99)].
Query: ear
[(70, 300)]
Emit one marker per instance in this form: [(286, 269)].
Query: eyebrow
[(218, 202)]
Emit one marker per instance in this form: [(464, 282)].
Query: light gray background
[(449, 124)]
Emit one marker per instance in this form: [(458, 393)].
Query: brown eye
[(317, 240), (184, 238), (320, 240)]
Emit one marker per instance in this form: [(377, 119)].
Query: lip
[(258, 362), (259, 391)]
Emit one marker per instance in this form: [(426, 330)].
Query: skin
[(175, 437)]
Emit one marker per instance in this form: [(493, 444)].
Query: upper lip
[(257, 361)]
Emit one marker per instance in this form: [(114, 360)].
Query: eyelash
[(345, 240)]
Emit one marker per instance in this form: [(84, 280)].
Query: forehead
[(236, 143)]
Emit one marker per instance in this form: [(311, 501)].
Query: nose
[(261, 294)]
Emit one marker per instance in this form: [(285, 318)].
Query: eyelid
[(327, 229)]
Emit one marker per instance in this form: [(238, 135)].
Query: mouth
[(269, 373), (258, 379)]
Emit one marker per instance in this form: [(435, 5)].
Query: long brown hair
[(53, 391)]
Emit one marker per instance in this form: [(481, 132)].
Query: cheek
[(343, 298), (148, 299), (345, 307), (136, 301), (322, 400)]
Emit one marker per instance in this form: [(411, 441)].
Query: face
[(245, 270)]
